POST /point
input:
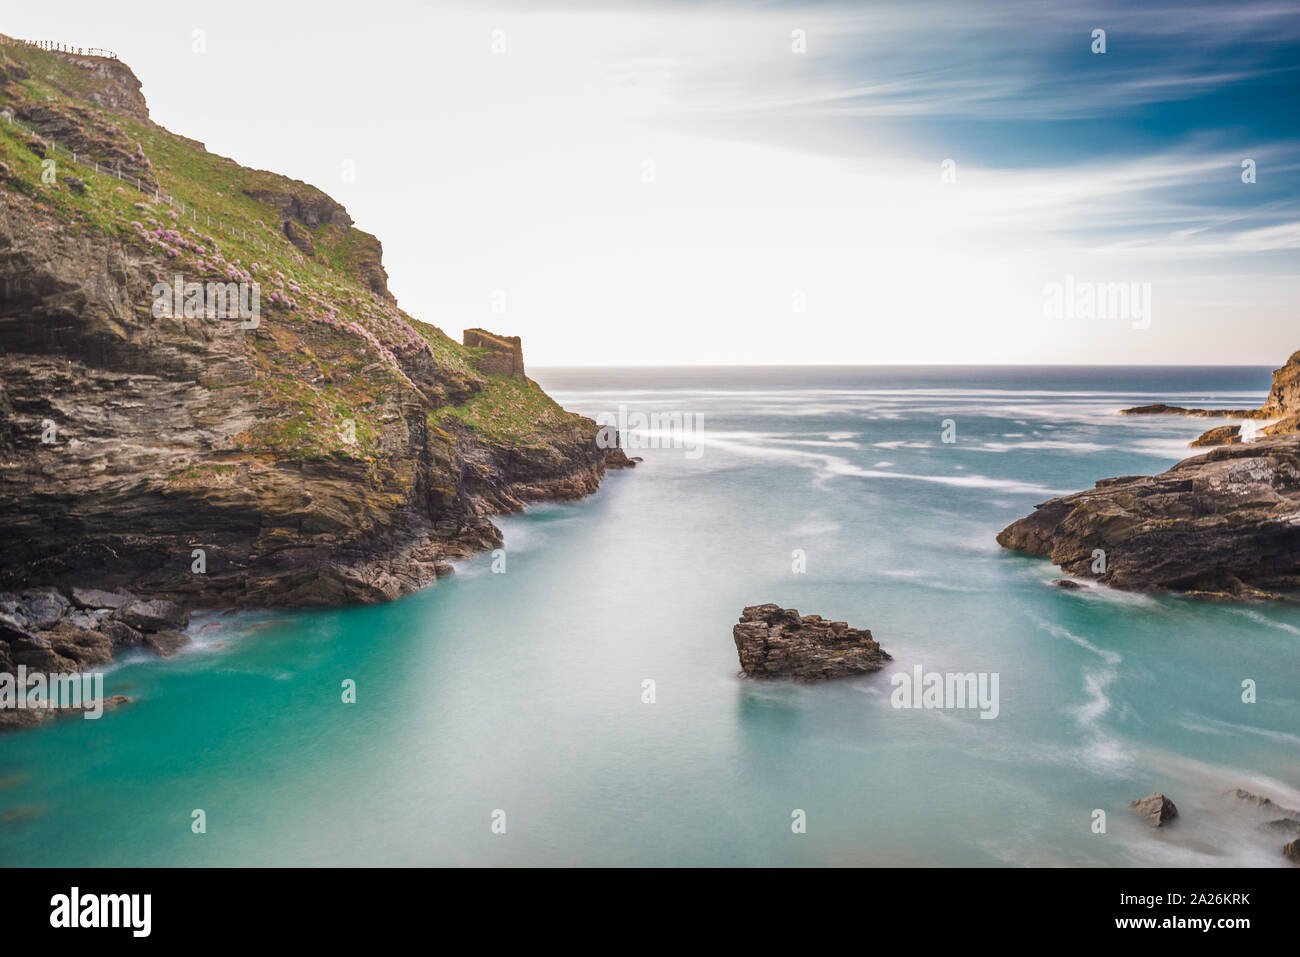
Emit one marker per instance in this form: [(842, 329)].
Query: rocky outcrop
[(1284, 397), (299, 236), (1223, 435), (504, 355), (306, 205), (1225, 524), (775, 642), (1156, 810), (1275, 819), (1266, 805), (1282, 407), (1162, 409), (42, 630)]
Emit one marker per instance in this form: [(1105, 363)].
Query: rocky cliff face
[(330, 449)]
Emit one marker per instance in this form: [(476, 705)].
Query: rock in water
[(1156, 809), (775, 642), (1292, 852), (1224, 525)]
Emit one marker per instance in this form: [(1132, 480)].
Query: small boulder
[(166, 643), (1066, 584), (157, 615), (94, 598), (38, 654), (1156, 809), (42, 607), (87, 648), (120, 633), (1283, 825)]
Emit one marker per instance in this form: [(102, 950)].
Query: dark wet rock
[(1155, 809), (155, 615), (1292, 852), (1225, 524), (1161, 409), (1067, 584), (12, 627), (166, 643), (84, 647), (775, 642), (36, 653), (42, 607), (120, 633), (94, 598), (1264, 803)]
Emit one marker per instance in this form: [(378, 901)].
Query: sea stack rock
[(775, 642), (1156, 809), (504, 355)]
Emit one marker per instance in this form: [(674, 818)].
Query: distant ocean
[(590, 692)]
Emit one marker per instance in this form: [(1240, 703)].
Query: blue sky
[(672, 182)]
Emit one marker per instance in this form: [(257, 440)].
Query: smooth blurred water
[(522, 691)]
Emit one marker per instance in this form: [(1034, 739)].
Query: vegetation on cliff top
[(331, 341)]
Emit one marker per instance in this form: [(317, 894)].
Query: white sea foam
[(1265, 620), (1106, 654)]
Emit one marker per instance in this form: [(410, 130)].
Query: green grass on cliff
[(328, 350), (510, 411)]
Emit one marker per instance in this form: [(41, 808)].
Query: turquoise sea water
[(522, 691)]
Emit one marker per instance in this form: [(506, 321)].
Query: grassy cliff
[(335, 450)]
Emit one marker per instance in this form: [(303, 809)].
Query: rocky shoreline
[(1221, 525)]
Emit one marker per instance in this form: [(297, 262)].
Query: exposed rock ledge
[(777, 642), (1225, 524)]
